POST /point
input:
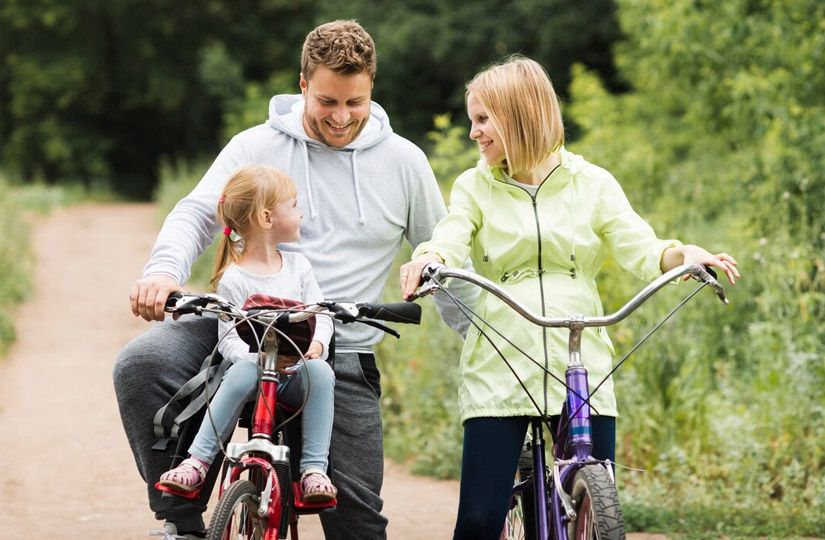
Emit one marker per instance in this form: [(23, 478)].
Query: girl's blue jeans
[(239, 386)]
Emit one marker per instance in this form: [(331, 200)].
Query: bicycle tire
[(520, 523), (236, 514), (598, 515)]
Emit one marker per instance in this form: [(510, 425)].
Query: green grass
[(17, 203)]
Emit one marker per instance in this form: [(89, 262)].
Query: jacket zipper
[(541, 292), (534, 198)]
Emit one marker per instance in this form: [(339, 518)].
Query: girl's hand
[(286, 364), (697, 255), (316, 349), (411, 273)]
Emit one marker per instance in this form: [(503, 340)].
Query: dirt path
[(67, 472)]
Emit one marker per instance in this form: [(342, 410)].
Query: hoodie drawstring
[(357, 186), (312, 212)]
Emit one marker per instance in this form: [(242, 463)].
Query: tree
[(102, 89)]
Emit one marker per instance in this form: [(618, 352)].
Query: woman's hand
[(411, 272), (689, 254)]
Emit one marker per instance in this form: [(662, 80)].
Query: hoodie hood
[(286, 114)]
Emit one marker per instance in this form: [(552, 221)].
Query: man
[(362, 189)]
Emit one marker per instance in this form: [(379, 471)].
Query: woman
[(539, 221)]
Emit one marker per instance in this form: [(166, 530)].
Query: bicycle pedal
[(176, 492), (306, 507), (170, 532)]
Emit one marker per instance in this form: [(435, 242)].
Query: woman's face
[(483, 132)]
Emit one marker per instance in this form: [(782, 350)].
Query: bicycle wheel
[(520, 521), (514, 524), (236, 514), (598, 516)]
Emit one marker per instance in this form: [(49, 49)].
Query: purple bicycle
[(575, 497)]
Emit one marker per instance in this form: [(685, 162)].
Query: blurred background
[(710, 114)]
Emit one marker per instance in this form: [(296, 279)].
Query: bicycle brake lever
[(706, 274), (376, 324), (429, 276), (345, 312)]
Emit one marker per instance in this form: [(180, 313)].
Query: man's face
[(336, 107)]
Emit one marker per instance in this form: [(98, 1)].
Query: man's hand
[(149, 295)]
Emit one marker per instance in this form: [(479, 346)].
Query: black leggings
[(491, 450)]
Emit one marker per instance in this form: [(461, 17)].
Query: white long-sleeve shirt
[(295, 281)]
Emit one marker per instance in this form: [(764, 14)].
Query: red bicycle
[(258, 499)]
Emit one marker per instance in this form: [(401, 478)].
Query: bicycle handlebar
[(435, 272), (345, 312)]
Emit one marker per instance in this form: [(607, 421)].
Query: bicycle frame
[(579, 443), (247, 455), (277, 500), (575, 452)]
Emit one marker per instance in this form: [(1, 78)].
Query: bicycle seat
[(252, 331)]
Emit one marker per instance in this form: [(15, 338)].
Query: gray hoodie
[(359, 203)]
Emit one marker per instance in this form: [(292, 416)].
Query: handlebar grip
[(404, 312)]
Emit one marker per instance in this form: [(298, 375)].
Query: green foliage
[(93, 90), (419, 401), (251, 107), (98, 90), (717, 145), (15, 261), (420, 371), (451, 152), (429, 49)]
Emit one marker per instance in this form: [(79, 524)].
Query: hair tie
[(227, 231)]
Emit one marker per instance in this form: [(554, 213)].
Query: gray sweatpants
[(153, 366)]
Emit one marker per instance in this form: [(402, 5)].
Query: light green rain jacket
[(546, 253)]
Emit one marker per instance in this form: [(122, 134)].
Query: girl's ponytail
[(227, 251), (226, 255)]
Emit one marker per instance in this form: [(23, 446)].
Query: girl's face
[(483, 132), (286, 221)]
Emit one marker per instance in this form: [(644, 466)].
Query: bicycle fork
[(578, 446)]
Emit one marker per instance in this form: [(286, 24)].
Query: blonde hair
[(523, 107), (249, 191), (343, 46)]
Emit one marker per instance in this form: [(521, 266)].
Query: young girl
[(259, 205), (539, 221)]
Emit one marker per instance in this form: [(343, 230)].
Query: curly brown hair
[(343, 46)]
